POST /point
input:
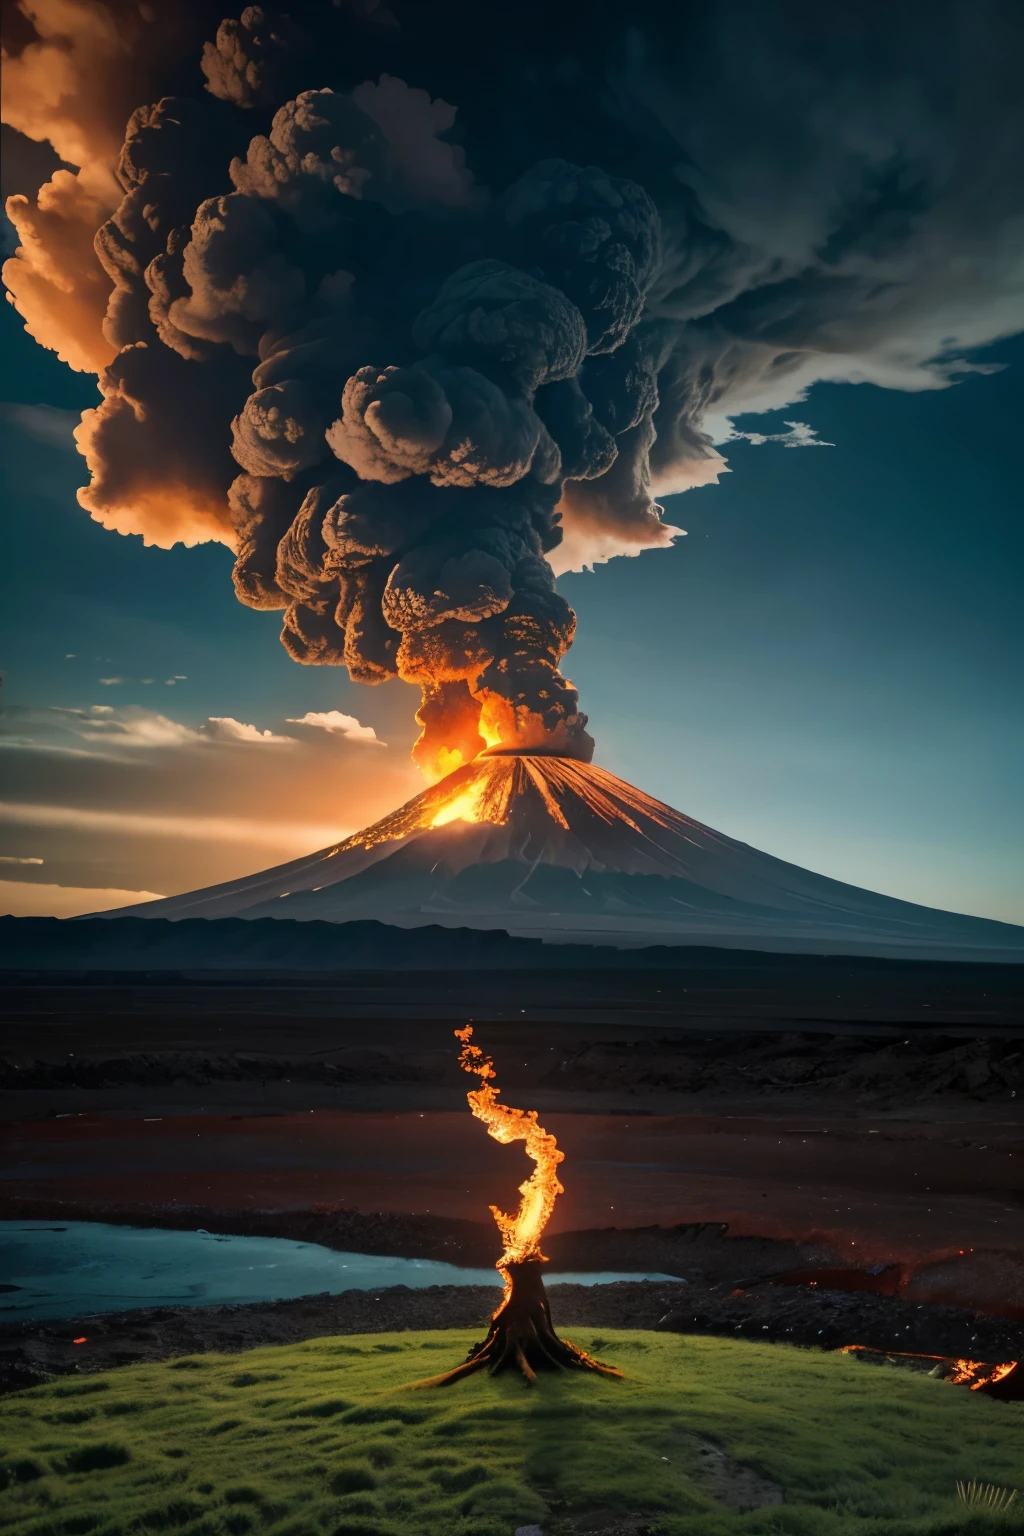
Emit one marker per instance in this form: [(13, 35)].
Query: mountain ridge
[(548, 847), (237, 946)]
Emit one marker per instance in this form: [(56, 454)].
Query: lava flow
[(521, 1333), (978, 1375)]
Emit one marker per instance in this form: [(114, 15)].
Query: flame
[(973, 1373), (964, 1371), (495, 785), (522, 1232), (998, 1373), (977, 1374), (446, 762), (475, 722), (496, 722), (464, 807)]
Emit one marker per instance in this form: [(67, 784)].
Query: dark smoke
[(414, 304), (401, 460)]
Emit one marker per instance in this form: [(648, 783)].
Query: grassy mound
[(326, 1439)]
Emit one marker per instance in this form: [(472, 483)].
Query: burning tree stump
[(521, 1335)]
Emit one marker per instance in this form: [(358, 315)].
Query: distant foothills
[(234, 946)]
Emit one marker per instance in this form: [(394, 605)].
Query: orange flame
[(463, 807), (520, 1233), (998, 1373), (977, 1374), (973, 1373), (446, 762), (964, 1371), (497, 721)]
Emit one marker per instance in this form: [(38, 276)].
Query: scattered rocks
[(874, 1068), (154, 1069), (34, 1352), (730, 1482), (887, 1071), (993, 1281), (598, 1522)]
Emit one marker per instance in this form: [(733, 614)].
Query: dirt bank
[(861, 1070), (824, 1320)]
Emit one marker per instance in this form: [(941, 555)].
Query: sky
[(829, 664)]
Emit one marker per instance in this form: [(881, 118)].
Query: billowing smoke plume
[(408, 358)]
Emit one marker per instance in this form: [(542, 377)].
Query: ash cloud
[(414, 306)]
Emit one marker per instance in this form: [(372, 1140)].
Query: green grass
[(326, 1438)]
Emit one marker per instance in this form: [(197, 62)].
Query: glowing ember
[(998, 1373), (464, 807), (496, 724), (521, 1334), (520, 1233), (976, 1374), (487, 788), (446, 762)]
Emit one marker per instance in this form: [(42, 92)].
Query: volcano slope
[(550, 847)]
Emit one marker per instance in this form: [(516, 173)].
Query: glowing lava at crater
[(548, 846)]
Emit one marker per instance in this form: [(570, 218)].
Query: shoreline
[(31, 1353)]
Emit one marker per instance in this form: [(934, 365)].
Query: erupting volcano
[(413, 327), (521, 1333), (551, 847)]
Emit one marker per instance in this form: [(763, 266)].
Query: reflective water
[(49, 1270)]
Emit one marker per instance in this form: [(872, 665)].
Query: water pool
[(50, 1270)]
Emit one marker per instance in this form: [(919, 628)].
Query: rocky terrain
[(783, 1108), (857, 1066), (819, 1319)]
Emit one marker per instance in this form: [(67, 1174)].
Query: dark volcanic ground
[(749, 1287), (819, 1319), (841, 1118)]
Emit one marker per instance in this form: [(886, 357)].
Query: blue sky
[(828, 666)]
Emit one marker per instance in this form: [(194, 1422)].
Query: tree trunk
[(521, 1336)]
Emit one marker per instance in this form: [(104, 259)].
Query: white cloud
[(111, 682), (49, 729), (295, 837), (131, 727), (228, 729), (799, 436), (10, 858), (337, 724), (21, 898), (44, 422), (129, 798)]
